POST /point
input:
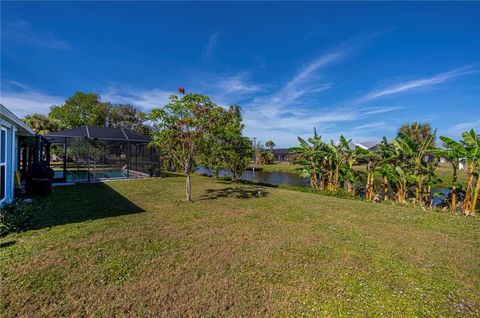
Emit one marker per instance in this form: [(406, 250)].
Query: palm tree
[(270, 144), (417, 131)]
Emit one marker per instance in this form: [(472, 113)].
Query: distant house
[(280, 154), (13, 132), (367, 145)]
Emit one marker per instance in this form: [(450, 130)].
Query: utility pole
[(254, 152)]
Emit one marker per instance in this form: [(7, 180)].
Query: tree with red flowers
[(183, 130)]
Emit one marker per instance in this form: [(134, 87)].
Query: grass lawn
[(134, 248), (444, 172), (281, 167)]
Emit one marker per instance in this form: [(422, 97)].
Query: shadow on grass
[(239, 193), (82, 202), (7, 244)]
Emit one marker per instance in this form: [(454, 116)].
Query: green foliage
[(228, 148), (193, 130), (237, 155), (16, 216), (270, 144), (418, 132), (42, 124), (265, 157), (184, 127), (127, 116), (87, 109), (81, 109), (406, 165)]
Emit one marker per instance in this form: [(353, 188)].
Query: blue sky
[(358, 69)]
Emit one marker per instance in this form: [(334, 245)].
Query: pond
[(275, 178)]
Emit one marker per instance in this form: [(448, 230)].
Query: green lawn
[(281, 167), (134, 248)]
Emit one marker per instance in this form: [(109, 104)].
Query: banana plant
[(310, 154), (454, 158), (416, 153), (350, 158), (373, 160), (468, 150)]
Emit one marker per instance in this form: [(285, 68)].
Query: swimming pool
[(83, 175)]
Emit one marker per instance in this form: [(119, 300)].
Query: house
[(16, 138), (280, 154), (367, 145)]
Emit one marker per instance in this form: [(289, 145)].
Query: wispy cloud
[(145, 99), (330, 123), (294, 108), (211, 45), (24, 100), (303, 84), (22, 31), (227, 89), (456, 130), (417, 83), (380, 110)]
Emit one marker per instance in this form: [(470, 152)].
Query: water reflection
[(275, 178)]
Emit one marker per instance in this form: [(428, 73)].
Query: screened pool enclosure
[(94, 153)]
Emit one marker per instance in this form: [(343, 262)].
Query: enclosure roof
[(99, 133)]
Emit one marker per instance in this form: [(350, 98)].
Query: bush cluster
[(16, 216)]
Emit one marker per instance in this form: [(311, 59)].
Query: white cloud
[(145, 99), (416, 84), (456, 131), (212, 43), (330, 124), (380, 110), (303, 84), (22, 31), (229, 89), (28, 102)]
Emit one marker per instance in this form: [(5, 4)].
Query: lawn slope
[(134, 248)]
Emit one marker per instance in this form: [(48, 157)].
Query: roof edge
[(10, 115)]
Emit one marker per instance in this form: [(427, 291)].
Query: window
[(3, 163)]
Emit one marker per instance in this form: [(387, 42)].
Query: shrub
[(16, 216)]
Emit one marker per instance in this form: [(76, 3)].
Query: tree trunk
[(454, 199), (337, 172), (330, 175), (385, 188), (475, 196), (369, 195), (188, 195), (466, 201), (454, 187)]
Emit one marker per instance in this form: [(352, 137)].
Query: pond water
[(275, 178)]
